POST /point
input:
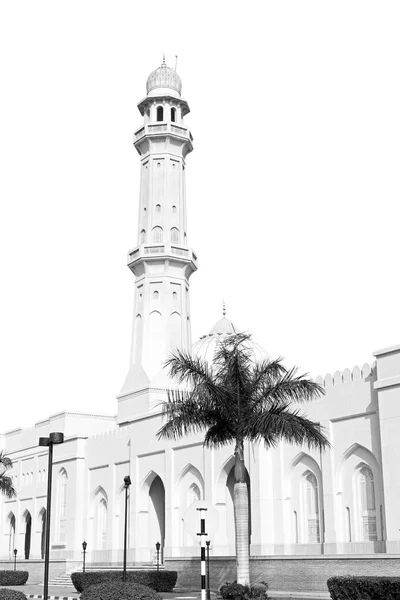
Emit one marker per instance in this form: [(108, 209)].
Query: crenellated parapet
[(347, 376)]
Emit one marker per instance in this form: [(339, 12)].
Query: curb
[(39, 596)]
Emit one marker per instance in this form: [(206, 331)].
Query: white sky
[(292, 189)]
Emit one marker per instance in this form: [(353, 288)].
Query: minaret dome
[(164, 80)]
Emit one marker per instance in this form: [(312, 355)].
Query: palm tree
[(6, 484), (236, 399)]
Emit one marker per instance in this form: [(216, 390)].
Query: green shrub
[(237, 591), (365, 587), (11, 595), (13, 577), (119, 590), (162, 581)]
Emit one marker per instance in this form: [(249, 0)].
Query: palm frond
[(6, 486), (185, 415), (279, 422)]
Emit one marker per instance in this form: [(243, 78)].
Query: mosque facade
[(343, 501)]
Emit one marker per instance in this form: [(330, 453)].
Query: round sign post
[(205, 511)]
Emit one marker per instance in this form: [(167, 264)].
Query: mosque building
[(344, 501)]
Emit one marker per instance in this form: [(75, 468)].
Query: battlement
[(347, 376)]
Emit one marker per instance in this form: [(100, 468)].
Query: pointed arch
[(61, 505), (42, 529), (221, 479), (27, 527), (100, 515), (10, 528), (304, 479), (359, 489), (157, 234)]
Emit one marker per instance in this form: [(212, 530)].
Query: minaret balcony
[(160, 129), (161, 251)]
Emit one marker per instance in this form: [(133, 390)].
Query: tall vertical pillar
[(162, 261)]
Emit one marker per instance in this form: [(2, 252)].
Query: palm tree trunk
[(241, 511)]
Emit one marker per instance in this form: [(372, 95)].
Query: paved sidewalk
[(35, 591)]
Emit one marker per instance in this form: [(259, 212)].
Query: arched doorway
[(11, 543), (157, 513), (28, 531)]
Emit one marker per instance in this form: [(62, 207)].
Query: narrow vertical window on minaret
[(155, 295), (143, 236), (174, 296), (160, 113), (158, 207), (157, 234), (174, 209), (175, 235), (173, 114)]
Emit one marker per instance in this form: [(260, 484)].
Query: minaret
[(162, 262)]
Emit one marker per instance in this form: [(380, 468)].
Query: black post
[(54, 438), (208, 593), (15, 559), (158, 546), (84, 546), (127, 483)]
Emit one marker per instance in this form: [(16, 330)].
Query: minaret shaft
[(162, 262)]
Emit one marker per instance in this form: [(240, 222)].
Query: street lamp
[(84, 546), (208, 593), (158, 546), (15, 559), (54, 438), (127, 483)]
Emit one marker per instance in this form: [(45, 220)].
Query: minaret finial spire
[(163, 58), (223, 308), (176, 60)]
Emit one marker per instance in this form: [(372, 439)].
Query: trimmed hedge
[(11, 595), (161, 581), (118, 590), (237, 591), (13, 577), (365, 587)]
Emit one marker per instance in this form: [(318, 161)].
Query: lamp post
[(15, 559), (54, 438), (158, 546), (84, 546), (127, 483), (208, 593)]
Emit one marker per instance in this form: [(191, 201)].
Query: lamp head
[(158, 546), (127, 481), (84, 546), (43, 441), (15, 552), (56, 437)]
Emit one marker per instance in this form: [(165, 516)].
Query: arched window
[(173, 114), (160, 113), (62, 484), (155, 295), (367, 501), (143, 236), (174, 296), (102, 525), (175, 235), (312, 507), (174, 209), (193, 494), (157, 234), (158, 207)]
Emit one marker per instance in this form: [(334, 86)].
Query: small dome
[(207, 345), (164, 77)]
